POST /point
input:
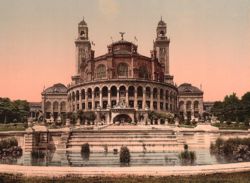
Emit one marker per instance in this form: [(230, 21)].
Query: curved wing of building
[(122, 85), (119, 86)]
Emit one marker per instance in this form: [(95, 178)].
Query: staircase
[(112, 160), (136, 141)]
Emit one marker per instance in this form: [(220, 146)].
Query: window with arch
[(122, 69), (143, 72), (101, 71), (196, 105), (82, 33)]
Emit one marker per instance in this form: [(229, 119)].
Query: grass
[(12, 127), (186, 126), (232, 126), (242, 177)]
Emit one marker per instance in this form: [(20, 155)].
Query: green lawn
[(12, 127), (243, 177), (231, 126)]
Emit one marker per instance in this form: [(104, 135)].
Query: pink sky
[(210, 41)]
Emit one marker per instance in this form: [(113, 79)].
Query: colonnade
[(52, 107), (191, 108), (138, 97)]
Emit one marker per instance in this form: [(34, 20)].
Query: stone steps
[(137, 159), (139, 140), (158, 140)]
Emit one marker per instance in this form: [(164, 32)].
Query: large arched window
[(122, 69), (55, 106), (101, 71), (63, 106), (143, 72), (48, 106)]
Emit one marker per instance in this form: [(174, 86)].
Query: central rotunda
[(122, 85)]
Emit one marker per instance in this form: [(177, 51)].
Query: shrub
[(186, 156), (124, 155), (38, 154), (85, 148), (105, 148), (185, 147), (188, 122), (232, 149), (85, 151), (8, 143)]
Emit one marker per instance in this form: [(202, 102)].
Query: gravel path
[(123, 171)]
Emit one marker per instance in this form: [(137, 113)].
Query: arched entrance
[(122, 118)]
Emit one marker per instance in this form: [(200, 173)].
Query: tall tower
[(161, 47), (83, 47)]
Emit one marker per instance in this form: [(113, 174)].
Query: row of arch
[(189, 105), (55, 106), (123, 91), (153, 98)]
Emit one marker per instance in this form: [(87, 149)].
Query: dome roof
[(56, 88), (161, 23), (82, 22), (187, 88), (122, 47)]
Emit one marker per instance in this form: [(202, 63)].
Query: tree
[(21, 110), (10, 111), (90, 115), (245, 102), (6, 109), (232, 108)]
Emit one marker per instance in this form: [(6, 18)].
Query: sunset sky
[(210, 40)]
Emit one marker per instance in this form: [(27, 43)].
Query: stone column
[(118, 97), (159, 121), (143, 98), (200, 107), (135, 101), (86, 100), (158, 99), (98, 117), (153, 70), (169, 101), (108, 118), (127, 97), (43, 105), (52, 108), (185, 110), (132, 67), (100, 99), (109, 100), (93, 100), (192, 110), (80, 100), (59, 108), (151, 100)]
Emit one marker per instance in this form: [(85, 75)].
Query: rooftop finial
[(122, 33)]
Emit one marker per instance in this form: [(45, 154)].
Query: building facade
[(54, 102), (122, 85), (119, 86), (190, 102)]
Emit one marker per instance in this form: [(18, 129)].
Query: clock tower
[(83, 48), (161, 47)]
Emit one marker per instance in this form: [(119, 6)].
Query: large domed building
[(121, 85)]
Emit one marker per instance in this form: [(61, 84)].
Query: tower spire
[(161, 45)]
